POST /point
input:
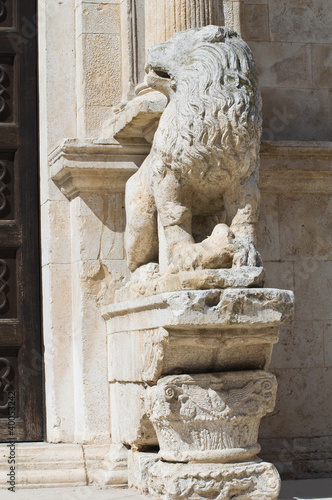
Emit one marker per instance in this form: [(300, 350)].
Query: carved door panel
[(20, 330)]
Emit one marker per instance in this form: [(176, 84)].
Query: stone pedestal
[(187, 373)]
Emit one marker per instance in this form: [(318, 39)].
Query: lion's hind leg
[(141, 234)]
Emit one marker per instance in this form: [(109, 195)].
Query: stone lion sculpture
[(198, 186)]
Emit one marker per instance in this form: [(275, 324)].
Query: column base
[(254, 480)]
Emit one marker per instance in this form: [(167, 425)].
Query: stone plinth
[(252, 479), (186, 332)]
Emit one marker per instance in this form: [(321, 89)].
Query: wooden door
[(21, 368)]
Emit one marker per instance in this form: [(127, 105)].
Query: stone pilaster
[(163, 18)]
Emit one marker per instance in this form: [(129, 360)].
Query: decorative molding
[(2, 90), (90, 165), (85, 165), (296, 167), (253, 479), (2, 10), (3, 284), (4, 382), (3, 199), (133, 41), (296, 149)]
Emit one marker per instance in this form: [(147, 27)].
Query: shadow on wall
[(306, 489)]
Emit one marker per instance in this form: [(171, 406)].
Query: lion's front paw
[(246, 254), (215, 252)]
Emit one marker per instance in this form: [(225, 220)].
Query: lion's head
[(210, 78)]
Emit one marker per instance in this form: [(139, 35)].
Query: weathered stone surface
[(44, 464), (106, 465), (266, 307), (255, 479), (129, 422), (139, 464), (296, 114), (283, 64), (153, 353), (254, 22), (147, 280), (195, 178), (166, 17), (301, 346), (322, 65), (308, 20), (300, 392), (312, 238), (210, 417)]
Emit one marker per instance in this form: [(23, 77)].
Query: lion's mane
[(216, 113)]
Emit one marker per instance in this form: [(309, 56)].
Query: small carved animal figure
[(201, 176)]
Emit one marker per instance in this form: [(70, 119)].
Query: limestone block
[(328, 343), (296, 114), (301, 345), (313, 289), (129, 422), (306, 393), (106, 465), (254, 22), (102, 69), (98, 223), (139, 464), (91, 119), (112, 245), (253, 479), (268, 228), (101, 17), (57, 315), (283, 64), (55, 227), (299, 457), (280, 275), (322, 65), (44, 464), (203, 308), (306, 227), (153, 353), (293, 21), (210, 417)]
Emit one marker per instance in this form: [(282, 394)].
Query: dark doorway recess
[(21, 366)]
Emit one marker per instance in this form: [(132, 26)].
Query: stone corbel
[(95, 166)]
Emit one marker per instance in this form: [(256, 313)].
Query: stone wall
[(292, 44), (295, 240)]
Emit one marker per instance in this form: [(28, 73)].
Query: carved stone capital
[(210, 417)]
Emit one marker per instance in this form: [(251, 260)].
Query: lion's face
[(166, 60), (169, 62)]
